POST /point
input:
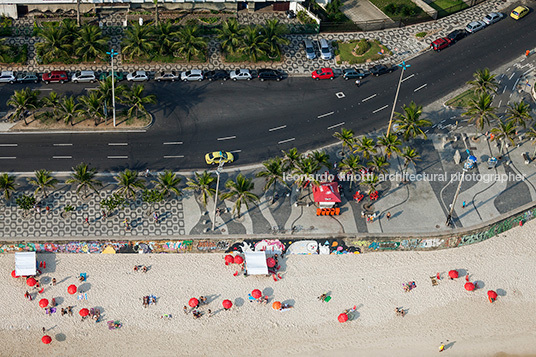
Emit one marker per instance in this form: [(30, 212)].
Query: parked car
[(440, 44), (55, 77), (323, 73), (457, 35), (269, 74), (353, 73), (217, 75), (240, 74), (309, 49), (84, 77), (27, 77), (519, 12), (380, 69), (325, 50), (7, 77), (493, 17), (192, 75), (119, 76), (166, 76), (475, 26), (219, 156), (138, 76)]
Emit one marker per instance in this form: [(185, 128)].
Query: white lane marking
[(7, 157), (524, 73), (62, 157), (117, 144), (334, 126), (62, 144), (277, 128), (236, 151), (8, 145), (382, 108), (421, 87), (286, 141), (94, 88), (515, 84), (45, 89), (372, 96), (227, 138), (173, 143), (500, 101), (504, 90), (117, 157), (325, 115), (173, 156), (512, 76), (408, 77)]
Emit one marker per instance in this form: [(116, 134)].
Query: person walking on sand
[(53, 281), (467, 276), (44, 330), (442, 347), (185, 309), (388, 215)]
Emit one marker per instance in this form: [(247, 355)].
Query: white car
[(138, 76), (7, 77), (475, 26), (192, 75), (493, 17), (240, 74), (166, 76), (84, 77)]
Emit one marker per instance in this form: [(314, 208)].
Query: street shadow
[(84, 288), (50, 260), (479, 284), (60, 337), (239, 302), (211, 298), (501, 292), (268, 292), (449, 345), (290, 302), (59, 300)]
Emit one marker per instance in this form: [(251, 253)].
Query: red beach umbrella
[(256, 293), (193, 302), (238, 259), (31, 282), (492, 295), (276, 305), (469, 286), (342, 318), (46, 339), (227, 304), (453, 274), (14, 274), (84, 312), (71, 289), (229, 259), (270, 262), (43, 303)]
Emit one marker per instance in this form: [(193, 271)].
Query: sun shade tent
[(256, 263), (326, 194), (25, 264)]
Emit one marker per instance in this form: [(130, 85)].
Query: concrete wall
[(426, 8), (9, 10)]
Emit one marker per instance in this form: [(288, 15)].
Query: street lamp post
[(403, 65), (112, 53), (449, 216), (218, 171)]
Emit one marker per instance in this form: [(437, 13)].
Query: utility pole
[(218, 171), (403, 65), (112, 53)]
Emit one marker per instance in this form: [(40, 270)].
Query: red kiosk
[(326, 195)]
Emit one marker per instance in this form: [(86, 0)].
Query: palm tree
[(167, 182), (42, 181), (254, 44), (305, 168), (165, 35), (190, 42), (136, 100), (230, 35), (137, 41), (91, 106), (155, 12), (273, 33), (5, 49), (409, 123), (519, 113), (273, 172), (24, 101), (78, 13), (372, 181), (379, 164), (483, 82), (68, 110), (350, 165), (52, 102), (202, 184), (240, 190), (410, 156), (504, 131), (7, 185), (480, 110), (128, 183), (84, 178), (90, 43), (321, 157), (346, 137), (366, 146), (290, 159), (56, 44), (390, 143)]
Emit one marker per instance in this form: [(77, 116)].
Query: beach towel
[(151, 299), (82, 296), (83, 276), (111, 325), (251, 298), (327, 299)]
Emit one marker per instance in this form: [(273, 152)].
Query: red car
[(440, 44), (55, 77), (323, 73)]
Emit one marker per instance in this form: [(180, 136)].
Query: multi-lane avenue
[(256, 120)]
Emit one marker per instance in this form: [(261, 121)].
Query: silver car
[(192, 75), (7, 77), (166, 76), (493, 17), (240, 74), (475, 26), (138, 76), (84, 77)]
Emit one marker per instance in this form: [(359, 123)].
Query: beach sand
[(373, 282)]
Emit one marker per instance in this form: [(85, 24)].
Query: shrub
[(362, 47), (420, 34), (304, 18), (390, 9)]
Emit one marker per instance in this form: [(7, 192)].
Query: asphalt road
[(256, 120)]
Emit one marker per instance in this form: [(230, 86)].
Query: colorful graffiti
[(212, 246), (288, 246)]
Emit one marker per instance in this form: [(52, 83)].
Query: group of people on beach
[(67, 310), (141, 268), (149, 300)]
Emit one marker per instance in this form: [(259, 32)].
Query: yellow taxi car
[(219, 156), (519, 12)]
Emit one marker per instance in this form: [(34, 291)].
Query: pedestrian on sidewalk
[(48, 209), (463, 204), (127, 226), (87, 220), (147, 172), (388, 215), (155, 217), (358, 82), (103, 214)]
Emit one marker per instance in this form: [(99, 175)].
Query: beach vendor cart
[(256, 263), (25, 264)]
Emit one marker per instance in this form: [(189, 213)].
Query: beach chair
[(83, 276)]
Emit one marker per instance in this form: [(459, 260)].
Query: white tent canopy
[(25, 264), (256, 263)]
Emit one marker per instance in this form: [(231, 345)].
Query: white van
[(325, 50)]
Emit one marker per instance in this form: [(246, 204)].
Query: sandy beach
[(373, 282)]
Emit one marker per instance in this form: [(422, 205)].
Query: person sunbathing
[(322, 297)]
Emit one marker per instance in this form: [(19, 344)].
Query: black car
[(269, 74), (216, 75), (457, 35), (380, 69), (352, 73), (27, 77)]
